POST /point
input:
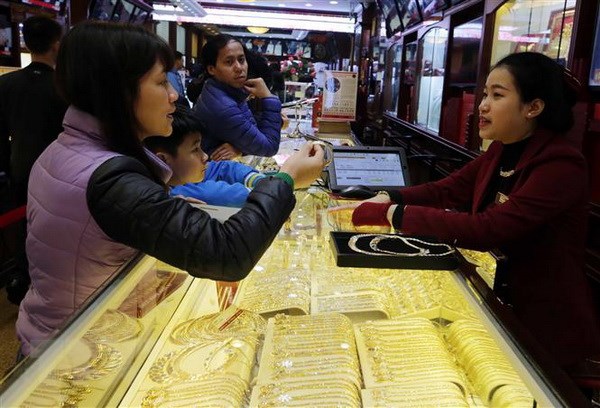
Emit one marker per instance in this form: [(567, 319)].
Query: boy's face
[(190, 164)]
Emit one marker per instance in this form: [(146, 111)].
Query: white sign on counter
[(339, 96)]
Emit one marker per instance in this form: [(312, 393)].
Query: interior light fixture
[(190, 6), (258, 18), (257, 30)]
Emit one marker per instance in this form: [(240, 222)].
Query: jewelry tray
[(347, 257)]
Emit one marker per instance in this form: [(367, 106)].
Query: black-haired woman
[(97, 197), (231, 128), (527, 195)]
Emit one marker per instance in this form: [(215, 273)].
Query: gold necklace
[(227, 387), (114, 327), (168, 368), (213, 326), (103, 359)]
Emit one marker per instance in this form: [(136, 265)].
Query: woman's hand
[(257, 87), (306, 165), (380, 198), (225, 152), (285, 121)]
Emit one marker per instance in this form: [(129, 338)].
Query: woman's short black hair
[(211, 49), (537, 76), (98, 71), (184, 123)]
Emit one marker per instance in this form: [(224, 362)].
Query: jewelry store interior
[(333, 314)]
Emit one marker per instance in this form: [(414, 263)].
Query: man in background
[(176, 81), (31, 114)]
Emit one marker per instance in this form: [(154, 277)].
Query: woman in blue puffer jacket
[(231, 129)]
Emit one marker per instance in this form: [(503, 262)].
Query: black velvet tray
[(346, 256)]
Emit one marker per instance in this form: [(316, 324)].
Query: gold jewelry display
[(411, 349), (150, 291), (103, 360), (308, 360), (169, 368), (484, 363), (512, 396), (303, 397), (276, 291), (222, 390), (54, 392), (114, 327), (441, 394), (211, 326), (353, 302), (484, 262)]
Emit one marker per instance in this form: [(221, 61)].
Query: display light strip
[(246, 18), (190, 6)]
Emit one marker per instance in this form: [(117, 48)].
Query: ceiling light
[(333, 2), (308, 4), (257, 18), (257, 30), (281, 5)]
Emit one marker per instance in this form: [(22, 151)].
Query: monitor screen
[(101, 10), (49, 4), (380, 168), (410, 14), (391, 16), (430, 7), (140, 16), (5, 35)]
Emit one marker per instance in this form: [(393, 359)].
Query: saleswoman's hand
[(257, 87), (306, 165), (381, 198), (225, 152)]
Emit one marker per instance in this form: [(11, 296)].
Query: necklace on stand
[(424, 249)]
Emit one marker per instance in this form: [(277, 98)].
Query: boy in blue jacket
[(224, 183)]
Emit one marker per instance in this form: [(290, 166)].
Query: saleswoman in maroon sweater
[(526, 196)]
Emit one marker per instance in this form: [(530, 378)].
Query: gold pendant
[(506, 173)]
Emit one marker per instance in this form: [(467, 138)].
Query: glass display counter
[(299, 331)]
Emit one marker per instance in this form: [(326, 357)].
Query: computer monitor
[(377, 167), (55, 5), (410, 15), (430, 7), (389, 10)]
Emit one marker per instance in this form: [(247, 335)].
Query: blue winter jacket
[(224, 184), (225, 114)]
